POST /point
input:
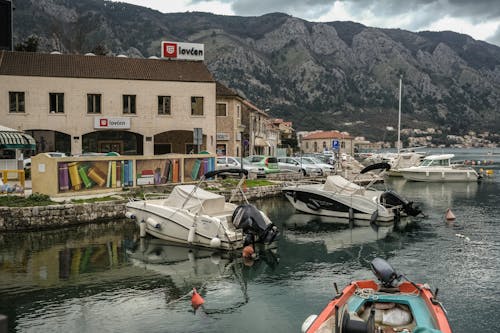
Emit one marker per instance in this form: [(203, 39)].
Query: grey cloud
[(495, 39)]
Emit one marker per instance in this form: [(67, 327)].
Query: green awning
[(16, 140)]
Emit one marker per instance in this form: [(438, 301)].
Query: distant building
[(320, 141)]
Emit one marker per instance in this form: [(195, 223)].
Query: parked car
[(269, 163), (230, 162), (298, 164), (326, 169)]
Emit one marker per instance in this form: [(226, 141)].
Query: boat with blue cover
[(394, 304)]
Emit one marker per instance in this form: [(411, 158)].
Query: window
[(93, 103), (197, 106), (238, 111), (129, 104), (163, 104), (16, 101), (56, 102), (221, 110)]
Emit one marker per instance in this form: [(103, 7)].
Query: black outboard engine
[(256, 229), (385, 273), (390, 199)]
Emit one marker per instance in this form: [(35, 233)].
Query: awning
[(12, 139)]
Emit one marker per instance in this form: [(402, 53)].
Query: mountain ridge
[(320, 75)]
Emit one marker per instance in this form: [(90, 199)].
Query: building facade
[(320, 141), (85, 103), (229, 125)]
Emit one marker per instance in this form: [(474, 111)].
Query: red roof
[(327, 135)]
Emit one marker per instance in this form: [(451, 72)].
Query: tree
[(29, 45)]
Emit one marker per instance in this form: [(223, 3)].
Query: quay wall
[(63, 215)]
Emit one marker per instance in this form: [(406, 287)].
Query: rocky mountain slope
[(335, 75)]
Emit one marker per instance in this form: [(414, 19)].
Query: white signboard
[(112, 122), (183, 51), (222, 136)]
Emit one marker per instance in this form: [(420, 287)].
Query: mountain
[(334, 75)]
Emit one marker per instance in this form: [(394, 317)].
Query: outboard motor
[(385, 273), (255, 227), (390, 199)]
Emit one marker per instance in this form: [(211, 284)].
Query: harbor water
[(104, 278)]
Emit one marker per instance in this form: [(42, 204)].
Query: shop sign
[(182, 51), (112, 122), (222, 136)]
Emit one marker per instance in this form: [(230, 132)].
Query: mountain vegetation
[(334, 75)]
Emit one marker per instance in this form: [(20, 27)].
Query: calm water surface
[(103, 278)]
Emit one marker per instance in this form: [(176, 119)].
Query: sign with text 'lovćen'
[(182, 51)]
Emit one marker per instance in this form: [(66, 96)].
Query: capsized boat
[(193, 216), (339, 197), (394, 304), (439, 168)]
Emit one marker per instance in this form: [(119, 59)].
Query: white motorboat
[(439, 168), (339, 197), (193, 216), (403, 160)]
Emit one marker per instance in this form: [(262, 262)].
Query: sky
[(479, 19)]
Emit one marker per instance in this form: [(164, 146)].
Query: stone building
[(86, 103)]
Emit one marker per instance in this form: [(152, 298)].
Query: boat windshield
[(433, 162)]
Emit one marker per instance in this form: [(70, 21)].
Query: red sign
[(103, 122), (169, 50)]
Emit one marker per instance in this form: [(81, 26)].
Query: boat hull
[(439, 175), (312, 200), (183, 227), (418, 305)]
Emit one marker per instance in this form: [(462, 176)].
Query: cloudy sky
[(477, 18)]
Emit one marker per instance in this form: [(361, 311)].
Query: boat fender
[(130, 215), (215, 242), (191, 234), (153, 223), (308, 322), (142, 229)]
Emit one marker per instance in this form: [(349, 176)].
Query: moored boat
[(390, 305), (193, 216), (439, 168), (339, 197)]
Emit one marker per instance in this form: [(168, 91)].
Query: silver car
[(230, 162), (298, 164), (327, 169)]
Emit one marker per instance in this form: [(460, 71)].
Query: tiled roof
[(222, 90), (101, 67), (326, 135)]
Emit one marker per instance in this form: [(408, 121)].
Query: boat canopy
[(200, 200), (339, 184)]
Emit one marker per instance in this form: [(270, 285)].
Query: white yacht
[(439, 168)]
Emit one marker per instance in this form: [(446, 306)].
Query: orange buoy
[(196, 299), (248, 252), (449, 215)]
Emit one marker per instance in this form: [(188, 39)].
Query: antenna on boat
[(399, 113)]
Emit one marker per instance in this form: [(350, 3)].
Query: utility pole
[(399, 114)]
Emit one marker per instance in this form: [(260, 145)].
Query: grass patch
[(34, 199), (92, 200), (231, 183)]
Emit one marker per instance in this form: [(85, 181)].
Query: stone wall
[(57, 216)]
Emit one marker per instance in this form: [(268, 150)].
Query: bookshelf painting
[(157, 172), (87, 175)]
